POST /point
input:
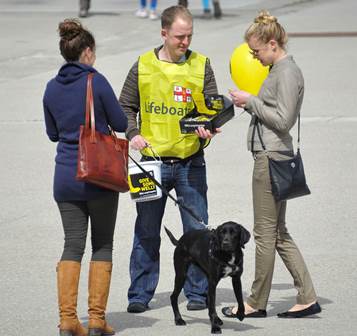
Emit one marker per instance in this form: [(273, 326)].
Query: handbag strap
[(256, 126), (90, 118)]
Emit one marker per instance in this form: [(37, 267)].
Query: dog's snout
[(226, 240), (226, 243)]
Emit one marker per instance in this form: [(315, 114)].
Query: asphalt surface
[(323, 224)]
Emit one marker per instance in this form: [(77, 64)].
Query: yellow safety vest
[(165, 97)]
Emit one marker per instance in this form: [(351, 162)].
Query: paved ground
[(323, 224)]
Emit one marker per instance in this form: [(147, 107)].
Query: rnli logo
[(182, 95)]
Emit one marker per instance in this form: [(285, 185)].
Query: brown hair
[(74, 39), (265, 28), (169, 15)]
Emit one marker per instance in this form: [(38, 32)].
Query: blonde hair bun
[(265, 28), (264, 17)]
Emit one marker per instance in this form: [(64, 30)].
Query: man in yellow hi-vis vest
[(157, 93)]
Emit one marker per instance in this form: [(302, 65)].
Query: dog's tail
[(171, 236)]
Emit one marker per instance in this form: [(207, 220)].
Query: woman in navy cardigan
[(64, 109)]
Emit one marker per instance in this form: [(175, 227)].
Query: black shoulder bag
[(287, 176)]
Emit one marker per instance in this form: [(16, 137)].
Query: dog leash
[(177, 202)]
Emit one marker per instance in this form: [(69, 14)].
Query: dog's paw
[(216, 330), (240, 315), (180, 322)]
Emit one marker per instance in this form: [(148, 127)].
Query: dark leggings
[(75, 214)]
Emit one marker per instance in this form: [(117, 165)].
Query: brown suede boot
[(67, 285), (100, 273)]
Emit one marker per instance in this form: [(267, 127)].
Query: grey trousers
[(270, 235), (75, 215)]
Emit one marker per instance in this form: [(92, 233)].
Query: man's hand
[(206, 134), (138, 142)]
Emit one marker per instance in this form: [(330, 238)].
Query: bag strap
[(180, 203), (256, 126), (90, 123), (90, 118), (298, 139)]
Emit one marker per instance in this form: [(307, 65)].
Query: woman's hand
[(239, 98), (138, 142)]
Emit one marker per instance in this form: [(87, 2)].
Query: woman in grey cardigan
[(274, 111)]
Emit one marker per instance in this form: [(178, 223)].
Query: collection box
[(210, 112)]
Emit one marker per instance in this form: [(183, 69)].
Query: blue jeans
[(189, 181)]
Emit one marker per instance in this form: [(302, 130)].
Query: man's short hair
[(169, 15)]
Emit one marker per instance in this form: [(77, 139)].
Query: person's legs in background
[(142, 12), (84, 6), (217, 12), (153, 10), (183, 3), (206, 9)]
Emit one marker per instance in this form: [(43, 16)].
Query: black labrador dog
[(219, 254)]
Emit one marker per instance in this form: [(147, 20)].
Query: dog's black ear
[(244, 236)]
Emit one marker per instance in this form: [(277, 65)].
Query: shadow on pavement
[(287, 302), (228, 323), (122, 320), (90, 14)]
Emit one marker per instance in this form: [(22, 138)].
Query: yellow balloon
[(246, 71)]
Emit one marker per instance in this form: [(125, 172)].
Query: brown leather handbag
[(102, 158)]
